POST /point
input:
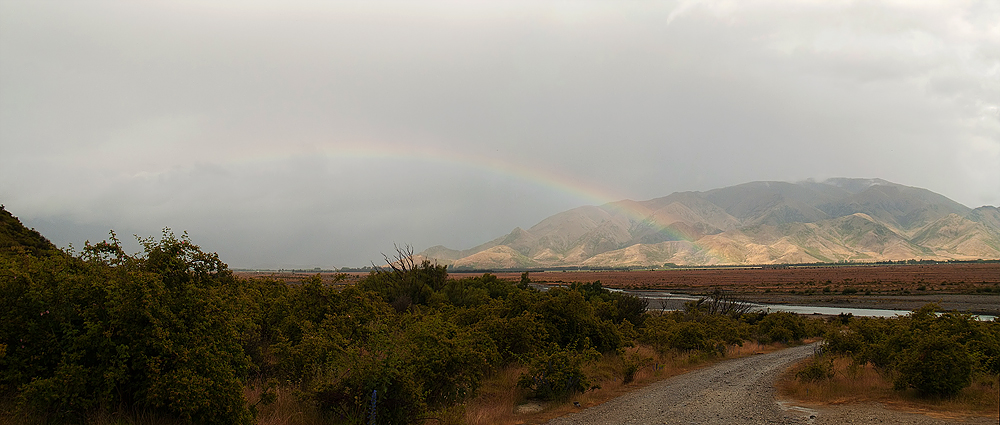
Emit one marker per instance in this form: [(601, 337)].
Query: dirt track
[(739, 391), (735, 391)]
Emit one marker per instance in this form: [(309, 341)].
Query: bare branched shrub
[(720, 302)]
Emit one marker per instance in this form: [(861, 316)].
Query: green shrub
[(690, 336), (937, 365), (781, 327), (658, 332), (985, 348), (164, 330), (936, 354), (819, 369), (448, 361), (346, 391), (557, 373), (571, 320)]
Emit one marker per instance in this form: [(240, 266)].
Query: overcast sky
[(317, 134)]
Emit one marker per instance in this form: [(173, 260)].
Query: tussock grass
[(286, 409), (9, 415), (497, 399), (853, 383)]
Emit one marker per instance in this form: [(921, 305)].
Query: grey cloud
[(237, 122)]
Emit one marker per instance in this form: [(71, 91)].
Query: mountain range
[(834, 220)]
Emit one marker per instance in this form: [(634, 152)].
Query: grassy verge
[(9, 415), (852, 383), (285, 409)]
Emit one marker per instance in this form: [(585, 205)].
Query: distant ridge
[(840, 219)]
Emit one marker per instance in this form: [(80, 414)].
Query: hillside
[(13, 235), (753, 223)]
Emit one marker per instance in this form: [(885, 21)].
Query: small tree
[(937, 365), (163, 330), (403, 282), (557, 373)]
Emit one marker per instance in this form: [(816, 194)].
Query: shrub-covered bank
[(928, 360), (171, 332), (935, 353)]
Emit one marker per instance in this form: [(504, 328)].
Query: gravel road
[(738, 391)]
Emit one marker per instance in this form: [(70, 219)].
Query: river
[(662, 300)]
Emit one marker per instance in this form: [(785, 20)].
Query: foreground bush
[(936, 354), (163, 330), (935, 365), (818, 369), (557, 374)]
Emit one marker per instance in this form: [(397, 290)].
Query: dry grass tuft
[(851, 383), (497, 399), (286, 409), (9, 415)]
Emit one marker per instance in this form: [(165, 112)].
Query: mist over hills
[(840, 219)]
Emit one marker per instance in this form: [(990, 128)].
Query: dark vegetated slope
[(14, 235)]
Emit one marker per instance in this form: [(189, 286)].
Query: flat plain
[(965, 287)]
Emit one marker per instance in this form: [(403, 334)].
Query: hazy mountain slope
[(691, 208), (498, 257), (958, 237), (901, 207), (771, 202), (988, 216), (443, 254), (752, 223), (847, 184), (677, 252)]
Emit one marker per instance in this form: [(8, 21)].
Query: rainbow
[(548, 178)]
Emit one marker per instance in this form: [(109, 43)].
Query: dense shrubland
[(172, 332), (927, 360), (937, 354)]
